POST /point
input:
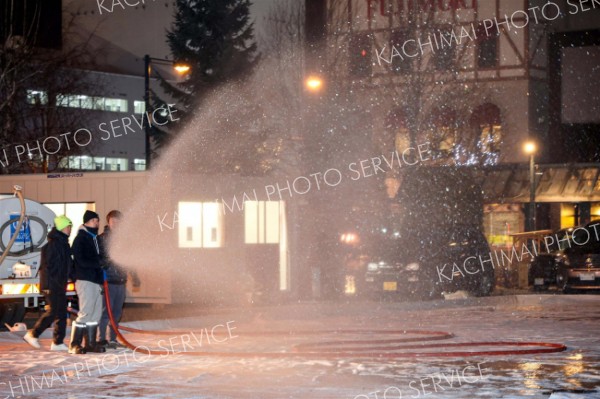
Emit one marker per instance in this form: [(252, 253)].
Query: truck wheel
[(19, 313), (7, 310)]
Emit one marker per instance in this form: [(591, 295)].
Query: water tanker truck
[(24, 228)]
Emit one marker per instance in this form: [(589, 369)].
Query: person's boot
[(91, 344), (77, 333)]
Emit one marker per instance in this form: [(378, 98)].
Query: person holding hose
[(89, 279), (116, 277), (55, 266)]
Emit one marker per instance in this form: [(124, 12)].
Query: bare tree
[(36, 122)]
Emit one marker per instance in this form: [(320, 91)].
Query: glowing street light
[(530, 149), (179, 67), (314, 83)]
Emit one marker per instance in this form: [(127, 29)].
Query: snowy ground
[(571, 320)]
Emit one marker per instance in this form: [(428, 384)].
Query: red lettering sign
[(399, 7)]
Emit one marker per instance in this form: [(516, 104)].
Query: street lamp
[(530, 149), (179, 67), (313, 83)]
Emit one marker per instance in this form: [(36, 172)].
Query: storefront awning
[(554, 183)]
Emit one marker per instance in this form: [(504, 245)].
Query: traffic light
[(360, 55)]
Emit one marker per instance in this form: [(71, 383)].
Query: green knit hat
[(61, 222)]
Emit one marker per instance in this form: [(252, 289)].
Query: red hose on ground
[(311, 350)]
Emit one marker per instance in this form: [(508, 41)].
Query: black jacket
[(56, 263), (115, 274), (86, 253)]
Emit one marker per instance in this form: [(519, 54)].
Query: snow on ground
[(572, 320)]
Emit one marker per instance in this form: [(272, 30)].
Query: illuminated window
[(595, 212), (90, 102), (37, 97), (139, 164), (262, 222), (84, 162), (139, 107), (487, 123), (73, 211), (443, 131), (115, 105), (568, 215), (200, 225)]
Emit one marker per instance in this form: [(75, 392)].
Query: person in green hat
[(55, 266)]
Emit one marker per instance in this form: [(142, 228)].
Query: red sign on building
[(399, 7)]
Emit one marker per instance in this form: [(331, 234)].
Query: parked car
[(578, 265), (543, 268), (424, 267)]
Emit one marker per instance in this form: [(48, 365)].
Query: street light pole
[(147, 72), (181, 68), (530, 148), (532, 192)]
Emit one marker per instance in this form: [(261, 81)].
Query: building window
[(487, 126), (84, 162), (139, 164), (200, 225), (90, 102), (401, 64), (37, 97), (444, 57), (359, 51), (595, 212), (73, 211), (139, 107), (443, 131), (262, 222), (115, 105), (487, 48)]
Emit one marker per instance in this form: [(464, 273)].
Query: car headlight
[(562, 259), (372, 267), (412, 267)]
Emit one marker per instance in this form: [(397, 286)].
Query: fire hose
[(333, 349), (345, 348), (18, 193)]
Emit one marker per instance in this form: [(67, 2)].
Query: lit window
[(487, 123), (115, 105), (139, 107), (443, 131), (37, 97), (116, 164), (99, 103), (139, 164), (262, 221), (73, 211), (85, 102), (200, 225), (89, 102)]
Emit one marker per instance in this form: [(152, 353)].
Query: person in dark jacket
[(55, 266), (89, 279), (116, 277)]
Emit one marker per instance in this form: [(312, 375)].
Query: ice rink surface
[(226, 370)]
